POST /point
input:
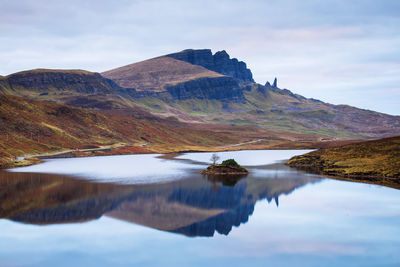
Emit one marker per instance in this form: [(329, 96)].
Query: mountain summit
[(219, 62)]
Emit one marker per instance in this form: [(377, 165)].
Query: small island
[(227, 167)]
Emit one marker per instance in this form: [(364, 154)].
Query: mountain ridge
[(169, 87)]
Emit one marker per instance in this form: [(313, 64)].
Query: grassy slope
[(33, 127), (280, 111), (366, 161)]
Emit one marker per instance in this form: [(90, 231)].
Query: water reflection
[(195, 206)]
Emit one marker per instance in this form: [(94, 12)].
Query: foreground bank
[(376, 161)]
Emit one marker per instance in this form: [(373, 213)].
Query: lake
[(160, 211)]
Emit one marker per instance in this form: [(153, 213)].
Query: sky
[(338, 51)]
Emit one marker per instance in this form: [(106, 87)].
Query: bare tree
[(214, 158)]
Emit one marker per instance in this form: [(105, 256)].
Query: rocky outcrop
[(45, 80), (274, 84), (219, 88), (219, 62)]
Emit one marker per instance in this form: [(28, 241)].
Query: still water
[(157, 211)]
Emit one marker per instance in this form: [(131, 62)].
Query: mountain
[(167, 78), (202, 89), (237, 100)]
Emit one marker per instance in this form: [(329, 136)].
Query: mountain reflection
[(195, 206)]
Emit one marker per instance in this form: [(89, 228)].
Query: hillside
[(33, 127), (375, 161)]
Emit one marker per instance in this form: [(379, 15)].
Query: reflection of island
[(193, 207)]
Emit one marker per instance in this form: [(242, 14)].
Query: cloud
[(326, 49)]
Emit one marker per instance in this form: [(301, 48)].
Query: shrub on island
[(227, 167)]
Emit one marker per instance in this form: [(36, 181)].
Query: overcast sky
[(339, 51)]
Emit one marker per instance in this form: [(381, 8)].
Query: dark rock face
[(81, 82), (219, 62), (220, 88), (274, 84)]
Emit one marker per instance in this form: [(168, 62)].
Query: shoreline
[(391, 182), (373, 162), (36, 159), (148, 148), (137, 149), (167, 154)]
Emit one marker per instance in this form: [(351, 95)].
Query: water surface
[(106, 211)]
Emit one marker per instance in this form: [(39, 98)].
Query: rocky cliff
[(219, 88), (219, 62), (63, 80)]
